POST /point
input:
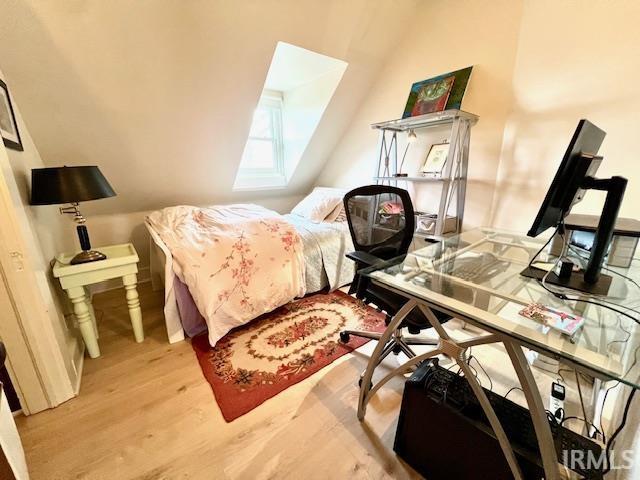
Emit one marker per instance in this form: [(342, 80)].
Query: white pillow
[(337, 214), (321, 202)]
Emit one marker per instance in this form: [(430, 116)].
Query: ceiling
[(160, 93)]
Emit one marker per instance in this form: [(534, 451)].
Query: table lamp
[(60, 185)]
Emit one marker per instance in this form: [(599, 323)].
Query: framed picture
[(436, 159), (8, 124), (454, 96)]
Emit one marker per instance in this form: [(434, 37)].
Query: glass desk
[(475, 277)]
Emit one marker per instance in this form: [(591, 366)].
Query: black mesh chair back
[(381, 220), (382, 223)]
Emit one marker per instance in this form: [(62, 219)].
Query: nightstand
[(121, 262)]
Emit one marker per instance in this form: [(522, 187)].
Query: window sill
[(260, 183)]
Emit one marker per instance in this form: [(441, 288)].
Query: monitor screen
[(579, 161)]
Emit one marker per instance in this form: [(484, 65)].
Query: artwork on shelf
[(428, 96), (454, 95), (8, 124), (436, 159)]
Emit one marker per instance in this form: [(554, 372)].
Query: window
[(263, 158), (295, 94)]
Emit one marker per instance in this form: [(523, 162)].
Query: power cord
[(483, 370), (511, 390), (618, 430), (575, 249), (562, 296)]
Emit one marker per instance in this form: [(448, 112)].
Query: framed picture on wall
[(436, 159), (8, 124)]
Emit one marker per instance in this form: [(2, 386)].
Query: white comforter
[(239, 261), (325, 247)]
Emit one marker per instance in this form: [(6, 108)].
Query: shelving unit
[(453, 179)]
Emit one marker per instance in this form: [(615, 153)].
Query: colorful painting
[(454, 96), (431, 96)]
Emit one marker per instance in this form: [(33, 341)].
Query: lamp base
[(87, 256)]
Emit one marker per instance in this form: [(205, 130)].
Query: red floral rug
[(257, 361)]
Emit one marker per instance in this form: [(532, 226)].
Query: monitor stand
[(575, 281)]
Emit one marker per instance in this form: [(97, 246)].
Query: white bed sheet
[(325, 246)]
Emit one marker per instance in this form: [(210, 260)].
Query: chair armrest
[(364, 259)]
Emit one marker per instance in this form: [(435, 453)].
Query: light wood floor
[(146, 412)]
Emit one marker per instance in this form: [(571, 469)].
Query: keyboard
[(476, 268)]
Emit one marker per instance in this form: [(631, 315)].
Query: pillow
[(337, 214), (319, 203)]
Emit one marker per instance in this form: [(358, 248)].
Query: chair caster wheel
[(344, 337), (396, 350), (360, 383)]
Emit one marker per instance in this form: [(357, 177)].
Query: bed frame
[(162, 277)]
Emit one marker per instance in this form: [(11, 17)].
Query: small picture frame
[(436, 160), (8, 124)]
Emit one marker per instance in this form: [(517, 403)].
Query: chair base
[(398, 343)]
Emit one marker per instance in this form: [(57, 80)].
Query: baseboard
[(144, 275)]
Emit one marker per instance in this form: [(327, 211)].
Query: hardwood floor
[(146, 412)]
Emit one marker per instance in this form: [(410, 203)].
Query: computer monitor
[(565, 189), (574, 177)]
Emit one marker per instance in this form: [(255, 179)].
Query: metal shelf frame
[(454, 176)]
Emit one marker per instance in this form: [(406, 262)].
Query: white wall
[(441, 37), (160, 93), (44, 236), (575, 60), (303, 108)]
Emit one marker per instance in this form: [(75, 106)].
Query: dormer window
[(263, 157), (296, 92)]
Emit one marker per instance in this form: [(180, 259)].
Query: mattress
[(326, 267)]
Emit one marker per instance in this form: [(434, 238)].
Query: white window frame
[(274, 176)]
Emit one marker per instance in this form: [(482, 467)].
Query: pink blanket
[(239, 261)]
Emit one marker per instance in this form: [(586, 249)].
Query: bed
[(321, 258)]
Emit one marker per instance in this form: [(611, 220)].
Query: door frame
[(35, 361)]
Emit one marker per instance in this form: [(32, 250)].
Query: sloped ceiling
[(160, 93)]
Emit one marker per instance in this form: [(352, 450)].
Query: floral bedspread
[(239, 261)]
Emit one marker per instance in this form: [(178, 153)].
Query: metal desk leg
[(503, 440), (536, 407), (373, 360)]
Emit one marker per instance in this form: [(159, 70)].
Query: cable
[(483, 370), (606, 393), (574, 250), (604, 401), (511, 390), (562, 296), (586, 422), (584, 410), (533, 259), (618, 430)]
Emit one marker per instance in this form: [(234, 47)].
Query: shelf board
[(416, 179), (425, 121)]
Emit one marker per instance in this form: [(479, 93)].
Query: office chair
[(382, 223)]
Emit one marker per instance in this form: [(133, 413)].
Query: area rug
[(261, 359)]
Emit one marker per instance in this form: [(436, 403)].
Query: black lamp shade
[(57, 185)]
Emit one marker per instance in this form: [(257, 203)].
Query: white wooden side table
[(121, 262)]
